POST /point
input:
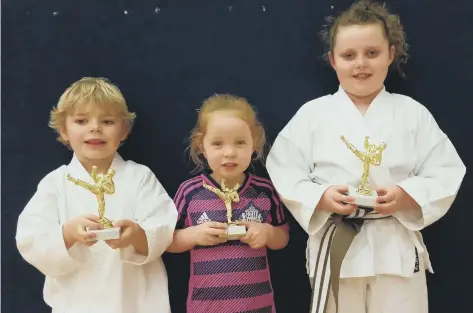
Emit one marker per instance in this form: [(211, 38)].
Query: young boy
[(56, 229)]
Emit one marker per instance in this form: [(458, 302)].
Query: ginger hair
[(366, 12), (238, 106), (89, 91)]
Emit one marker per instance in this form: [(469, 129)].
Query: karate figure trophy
[(103, 185), (364, 195), (233, 231)]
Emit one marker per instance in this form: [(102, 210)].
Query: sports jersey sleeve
[(278, 214), (181, 204)]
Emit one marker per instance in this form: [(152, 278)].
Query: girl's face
[(361, 57), (227, 146)]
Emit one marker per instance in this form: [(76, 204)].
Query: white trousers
[(382, 294)]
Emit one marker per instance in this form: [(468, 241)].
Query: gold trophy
[(364, 195), (233, 231), (103, 185)]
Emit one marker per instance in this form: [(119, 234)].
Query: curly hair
[(367, 12)]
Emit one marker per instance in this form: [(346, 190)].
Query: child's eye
[(80, 121), (240, 142), (348, 56), (109, 122), (216, 143), (372, 53)]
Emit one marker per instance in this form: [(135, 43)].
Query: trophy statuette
[(233, 230), (103, 185), (364, 195)]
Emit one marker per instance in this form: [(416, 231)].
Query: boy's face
[(94, 133)]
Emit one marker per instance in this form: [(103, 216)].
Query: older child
[(412, 170), (228, 275), (54, 234)]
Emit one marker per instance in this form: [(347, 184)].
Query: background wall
[(167, 56)]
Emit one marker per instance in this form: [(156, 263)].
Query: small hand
[(128, 232), (207, 234), (256, 235), (392, 199), (76, 230), (335, 200)]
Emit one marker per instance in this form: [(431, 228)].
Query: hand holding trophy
[(233, 231), (364, 195), (103, 185)]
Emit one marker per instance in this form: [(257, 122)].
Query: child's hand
[(129, 233), (334, 200), (75, 230), (256, 235), (392, 199), (207, 234)]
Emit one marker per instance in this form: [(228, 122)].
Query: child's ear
[(331, 60), (126, 131), (392, 53), (63, 134), (202, 150), (125, 135)]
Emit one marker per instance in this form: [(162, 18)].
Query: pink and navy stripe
[(230, 277)]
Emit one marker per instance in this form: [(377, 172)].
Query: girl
[(228, 275), (56, 229), (414, 174)]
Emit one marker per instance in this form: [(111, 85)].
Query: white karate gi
[(377, 273), (98, 279)]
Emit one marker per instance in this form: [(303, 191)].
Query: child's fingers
[(382, 191), (343, 198), (92, 217), (216, 231), (113, 243), (388, 197), (244, 223), (348, 209), (92, 225), (216, 225), (84, 236), (341, 188), (343, 209), (218, 240), (249, 237), (386, 208), (256, 245)]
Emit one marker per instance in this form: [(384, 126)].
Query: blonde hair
[(367, 12), (240, 108), (88, 90)]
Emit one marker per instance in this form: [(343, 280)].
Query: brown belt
[(335, 243)]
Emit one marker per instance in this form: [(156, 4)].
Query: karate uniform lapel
[(352, 127), (379, 123)]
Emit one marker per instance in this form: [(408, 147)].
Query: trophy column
[(103, 185), (233, 231), (372, 156)]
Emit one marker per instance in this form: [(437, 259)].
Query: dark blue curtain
[(167, 56)]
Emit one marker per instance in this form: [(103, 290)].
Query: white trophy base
[(234, 232), (362, 200), (105, 234)]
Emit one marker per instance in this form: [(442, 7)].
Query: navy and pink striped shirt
[(229, 277)]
